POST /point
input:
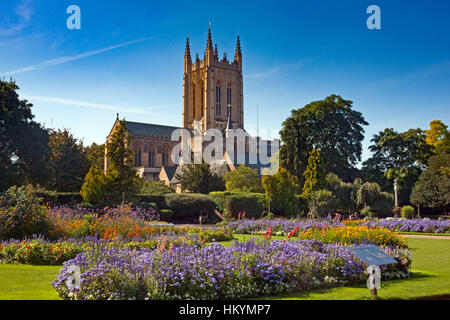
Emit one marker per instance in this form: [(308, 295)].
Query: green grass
[(430, 277), (427, 234), (25, 282)]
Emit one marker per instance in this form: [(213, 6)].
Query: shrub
[(165, 213), (58, 198), (322, 202), (407, 212), (93, 189), (252, 203), (367, 212), (381, 208), (155, 187), (21, 215), (281, 189), (189, 205), (158, 199)]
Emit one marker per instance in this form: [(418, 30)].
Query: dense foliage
[(330, 125)]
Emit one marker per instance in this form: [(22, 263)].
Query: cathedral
[(212, 99)]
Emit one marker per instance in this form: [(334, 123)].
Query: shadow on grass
[(415, 276)]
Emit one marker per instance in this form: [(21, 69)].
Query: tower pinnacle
[(187, 53)]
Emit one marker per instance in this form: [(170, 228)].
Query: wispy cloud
[(419, 74), (62, 60), (263, 74), (276, 69), (24, 11), (143, 110)]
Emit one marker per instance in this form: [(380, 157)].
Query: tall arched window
[(151, 156), (138, 156), (165, 156), (193, 101), (218, 108), (229, 98), (202, 99)]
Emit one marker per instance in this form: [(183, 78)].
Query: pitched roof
[(170, 171), (149, 129)]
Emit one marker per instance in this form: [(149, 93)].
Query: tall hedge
[(252, 203), (189, 205)]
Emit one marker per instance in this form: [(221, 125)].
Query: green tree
[(121, 179), (330, 125), (243, 179), (198, 178), (24, 149), (93, 189), (432, 189), (96, 155), (321, 202), (368, 193), (281, 190), (314, 174), (400, 157), (68, 162), (438, 136)]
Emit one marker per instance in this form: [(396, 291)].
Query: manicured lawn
[(25, 282), (431, 277)]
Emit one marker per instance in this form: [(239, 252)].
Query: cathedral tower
[(213, 88)]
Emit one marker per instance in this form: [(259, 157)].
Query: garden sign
[(374, 257)]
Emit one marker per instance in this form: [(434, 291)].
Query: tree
[(93, 188), (96, 155), (243, 179), (198, 178), (432, 189), (438, 137), (121, 179), (68, 161), (24, 149), (368, 193), (322, 202), (399, 156), (314, 174), (281, 190), (329, 125)]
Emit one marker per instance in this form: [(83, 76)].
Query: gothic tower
[(213, 88)]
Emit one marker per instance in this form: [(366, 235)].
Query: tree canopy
[(68, 161), (243, 179), (198, 178), (24, 149), (330, 125)]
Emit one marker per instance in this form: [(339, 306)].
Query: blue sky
[(128, 58)]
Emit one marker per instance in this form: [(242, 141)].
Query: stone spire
[(238, 54), (216, 52), (187, 53), (209, 46)]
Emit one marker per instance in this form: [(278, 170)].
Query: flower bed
[(356, 235), (242, 270), (42, 252), (281, 227), (407, 225)]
